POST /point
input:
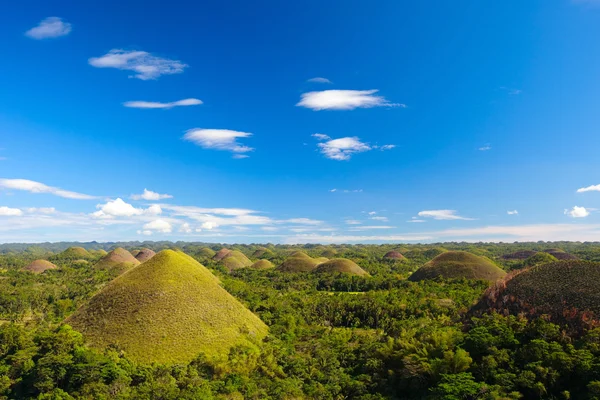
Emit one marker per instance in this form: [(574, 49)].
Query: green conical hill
[(459, 264), (342, 265), (167, 310), (262, 264), (235, 260), (74, 253), (299, 261), (206, 252), (118, 260)]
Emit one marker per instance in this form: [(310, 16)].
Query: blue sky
[(337, 121)]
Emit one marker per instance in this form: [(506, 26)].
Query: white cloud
[(512, 212), (150, 196), (387, 147), (240, 156), (144, 65), (416, 220), (372, 213), (346, 190), (269, 228), (51, 27), (301, 221), (37, 187), (119, 208), (370, 227), (152, 104), (343, 100), (353, 222), (10, 212), (320, 136), (333, 190), (158, 225), (384, 219), (319, 80), (209, 225), (185, 228), (343, 148), (41, 210), (593, 188), (577, 212), (485, 148), (442, 215), (218, 139)]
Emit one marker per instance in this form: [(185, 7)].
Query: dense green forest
[(330, 335)]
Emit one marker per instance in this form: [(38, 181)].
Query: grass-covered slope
[(74, 253), (568, 291), (299, 261), (520, 255), (235, 260), (219, 255), (262, 264), (167, 310), (560, 254), (459, 264), (144, 255), (118, 260), (39, 266), (341, 265), (262, 252), (393, 255)]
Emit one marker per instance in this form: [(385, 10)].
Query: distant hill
[(118, 260), (206, 252), (560, 254), (167, 310), (235, 260), (567, 291), (144, 255), (219, 255), (459, 264), (520, 255), (262, 264), (262, 252), (39, 266), (299, 261), (341, 265), (328, 253), (393, 255), (74, 253)]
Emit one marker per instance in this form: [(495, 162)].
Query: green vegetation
[(39, 266), (299, 261), (538, 259), (330, 335), (341, 265), (168, 310), (459, 264)]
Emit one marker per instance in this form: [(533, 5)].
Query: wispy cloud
[(344, 148), (144, 65), (380, 218), (344, 100), (370, 227), (577, 212), (485, 147), (320, 136), (37, 187), (318, 80), (511, 91), (218, 139), (150, 196), (593, 188), (10, 212), (442, 215), (346, 190), (153, 104), (353, 222), (512, 212), (51, 27), (416, 220)]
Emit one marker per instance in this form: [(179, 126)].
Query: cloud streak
[(144, 65), (153, 104), (51, 27), (218, 139), (442, 215), (343, 100), (37, 187), (593, 188)]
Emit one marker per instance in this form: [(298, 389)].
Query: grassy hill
[(341, 265), (39, 266), (144, 255), (520, 255), (219, 255), (262, 252), (118, 260), (167, 310), (299, 261), (567, 291), (393, 255), (206, 252), (459, 264), (262, 264), (235, 260), (560, 254), (74, 253)]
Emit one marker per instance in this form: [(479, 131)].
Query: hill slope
[(166, 310), (299, 261), (568, 291), (235, 260), (342, 265), (262, 264), (393, 255), (74, 253), (144, 255), (458, 264)]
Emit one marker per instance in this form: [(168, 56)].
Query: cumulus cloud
[(153, 104), (145, 233), (343, 148), (185, 228), (119, 208), (577, 212), (320, 136), (10, 212), (218, 139), (442, 215), (512, 212), (41, 210), (144, 65), (51, 27), (158, 225), (319, 80), (593, 188), (37, 187), (344, 100), (150, 196), (209, 225)]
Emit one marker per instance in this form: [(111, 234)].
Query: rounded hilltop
[(235, 259), (299, 261), (262, 264), (167, 310), (262, 252), (219, 255), (341, 265), (567, 291), (144, 255), (39, 266), (459, 264), (118, 260), (393, 255), (74, 253)]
